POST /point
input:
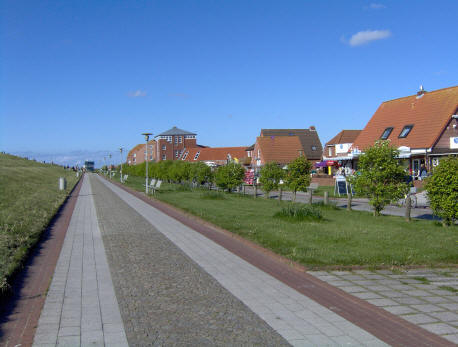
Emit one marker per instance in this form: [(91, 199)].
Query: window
[(164, 147), (177, 153), (135, 155), (180, 139), (169, 139), (301, 153), (330, 151), (313, 148), (176, 139), (405, 131), (190, 137), (185, 155), (164, 157), (386, 133), (197, 155)]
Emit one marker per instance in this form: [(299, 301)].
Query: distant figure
[(423, 172)]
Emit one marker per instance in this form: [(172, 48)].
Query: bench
[(157, 187)]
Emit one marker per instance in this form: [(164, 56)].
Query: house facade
[(216, 156), (336, 152), (137, 155), (424, 128), (173, 143)]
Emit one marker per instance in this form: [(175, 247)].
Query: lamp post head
[(147, 135), (120, 149)]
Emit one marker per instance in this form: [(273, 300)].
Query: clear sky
[(93, 75)]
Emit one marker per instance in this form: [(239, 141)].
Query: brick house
[(422, 126), (285, 145), (174, 142), (137, 154), (216, 156)]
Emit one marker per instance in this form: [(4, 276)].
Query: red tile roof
[(345, 136), (215, 154), (280, 149), (428, 114)]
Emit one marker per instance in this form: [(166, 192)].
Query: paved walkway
[(81, 306), (176, 286)]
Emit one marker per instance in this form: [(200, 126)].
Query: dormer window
[(313, 148), (386, 133), (405, 131), (197, 155)]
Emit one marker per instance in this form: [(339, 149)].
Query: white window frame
[(197, 155)]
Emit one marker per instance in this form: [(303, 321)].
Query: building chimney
[(420, 92), (312, 128)]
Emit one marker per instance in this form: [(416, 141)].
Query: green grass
[(423, 280), (450, 289), (29, 199), (342, 239)]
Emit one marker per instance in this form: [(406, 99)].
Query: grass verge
[(29, 199), (342, 239)]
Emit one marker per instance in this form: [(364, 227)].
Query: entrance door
[(415, 167)]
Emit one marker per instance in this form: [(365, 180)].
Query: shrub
[(442, 189), (271, 174), (201, 173), (300, 212), (229, 176), (380, 177)]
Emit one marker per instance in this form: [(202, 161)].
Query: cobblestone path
[(165, 298)]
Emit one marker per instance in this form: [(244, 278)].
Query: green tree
[(201, 173), (298, 175), (442, 188), (229, 176), (380, 177), (271, 174)]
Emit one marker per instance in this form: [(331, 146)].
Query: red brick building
[(215, 156), (137, 154), (173, 143)]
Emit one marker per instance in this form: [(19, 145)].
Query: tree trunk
[(266, 194), (326, 198), (349, 198), (280, 194), (244, 189), (407, 212), (294, 196), (310, 196), (255, 190)]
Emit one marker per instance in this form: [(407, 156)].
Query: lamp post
[(109, 170), (120, 150), (147, 135), (105, 162)]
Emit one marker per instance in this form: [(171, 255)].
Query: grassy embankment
[(342, 239), (29, 198)]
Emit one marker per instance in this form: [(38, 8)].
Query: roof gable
[(345, 136), (428, 114), (311, 144), (175, 131), (280, 149)]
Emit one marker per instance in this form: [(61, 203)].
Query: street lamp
[(105, 162), (110, 166), (120, 149), (147, 135)]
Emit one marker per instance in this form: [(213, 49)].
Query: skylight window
[(386, 133), (405, 131), (313, 148)]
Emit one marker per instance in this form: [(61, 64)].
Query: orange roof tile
[(215, 153), (280, 149), (345, 136), (428, 114)]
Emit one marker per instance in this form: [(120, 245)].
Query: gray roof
[(175, 131)]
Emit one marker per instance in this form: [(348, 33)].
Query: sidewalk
[(81, 306)]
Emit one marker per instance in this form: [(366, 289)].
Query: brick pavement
[(299, 319), (81, 306), (425, 297)]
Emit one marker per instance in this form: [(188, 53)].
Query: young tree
[(442, 188), (298, 175), (229, 176), (380, 177), (271, 174), (201, 173)]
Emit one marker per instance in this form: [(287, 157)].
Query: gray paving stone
[(445, 316), (400, 287), (398, 310), (409, 301), (382, 302), (427, 308), (419, 318), (393, 294), (440, 328), (419, 293), (436, 300), (69, 340), (354, 289), (453, 338), (367, 295), (449, 306)]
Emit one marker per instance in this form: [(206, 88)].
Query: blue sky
[(92, 75)]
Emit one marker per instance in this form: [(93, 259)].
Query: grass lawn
[(29, 199), (342, 239)]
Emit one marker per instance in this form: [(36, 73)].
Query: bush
[(201, 173), (229, 176), (300, 212), (442, 189), (211, 195)]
